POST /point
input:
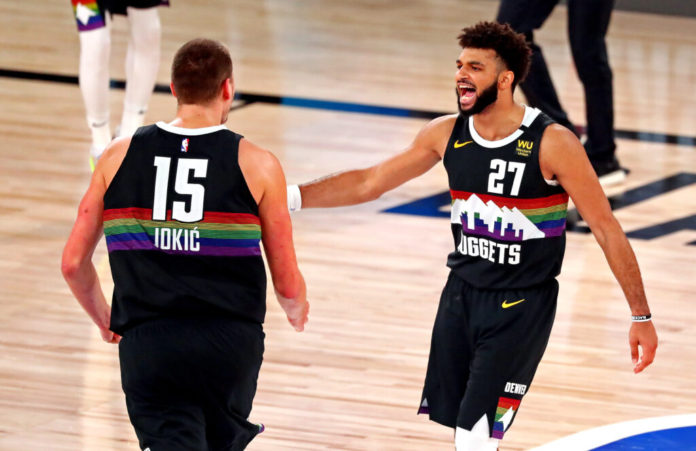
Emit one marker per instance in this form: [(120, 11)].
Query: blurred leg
[(525, 16), (142, 64), (588, 21), (95, 47)]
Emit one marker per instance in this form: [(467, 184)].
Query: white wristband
[(294, 198), (641, 318)]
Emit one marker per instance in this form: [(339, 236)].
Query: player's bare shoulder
[(435, 134), (253, 158), (557, 139), (110, 161), (559, 149), (260, 168)]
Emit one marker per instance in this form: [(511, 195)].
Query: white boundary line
[(592, 438)]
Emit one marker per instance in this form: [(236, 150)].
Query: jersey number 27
[(500, 169)]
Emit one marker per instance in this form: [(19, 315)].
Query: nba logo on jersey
[(184, 145)]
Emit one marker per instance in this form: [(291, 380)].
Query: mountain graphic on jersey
[(509, 219)]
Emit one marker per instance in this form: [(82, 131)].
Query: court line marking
[(332, 105), (603, 435)]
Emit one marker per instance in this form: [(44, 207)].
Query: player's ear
[(227, 89), (505, 79), (171, 88)]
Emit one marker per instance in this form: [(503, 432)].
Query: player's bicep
[(566, 158), (276, 226), (88, 226)]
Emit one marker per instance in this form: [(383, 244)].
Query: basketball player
[(510, 172), (142, 62), (183, 206)]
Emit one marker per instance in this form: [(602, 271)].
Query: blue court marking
[(427, 206), (675, 432), (330, 105), (343, 106), (683, 438)]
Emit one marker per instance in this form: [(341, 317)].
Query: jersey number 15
[(182, 186)]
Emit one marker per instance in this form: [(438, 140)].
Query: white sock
[(142, 64), (133, 117), (101, 137), (94, 82), (477, 439)]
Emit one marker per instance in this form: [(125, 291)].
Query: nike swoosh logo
[(457, 144), (507, 304)]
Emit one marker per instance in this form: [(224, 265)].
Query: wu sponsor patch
[(524, 148)]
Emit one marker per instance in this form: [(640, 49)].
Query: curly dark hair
[(510, 46)]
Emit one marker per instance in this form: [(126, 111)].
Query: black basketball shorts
[(119, 6), (189, 384), (486, 346)]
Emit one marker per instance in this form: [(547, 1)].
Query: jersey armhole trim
[(459, 124), (241, 172), (119, 172)]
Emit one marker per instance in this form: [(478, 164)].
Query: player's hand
[(296, 309), (109, 336), (642, 335), (298, 314)]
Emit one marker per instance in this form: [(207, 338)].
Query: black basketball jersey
[(183, 230), (508, 222)]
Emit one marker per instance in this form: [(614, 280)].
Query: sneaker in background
[(609, 172)]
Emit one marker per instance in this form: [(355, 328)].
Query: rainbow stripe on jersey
[(218, 234), (507, 218)]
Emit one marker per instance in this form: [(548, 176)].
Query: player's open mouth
[(467, 93)]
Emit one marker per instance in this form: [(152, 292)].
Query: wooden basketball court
[(352, 380)]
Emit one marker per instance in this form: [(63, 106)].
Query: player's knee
[(146, 28), (94, 50), (95, 42), (477, 439)]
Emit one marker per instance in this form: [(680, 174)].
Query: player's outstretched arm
[(563, 156), (266, 181), (362, 185), (77, 267)]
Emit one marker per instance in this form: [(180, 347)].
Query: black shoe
[(609, 172)]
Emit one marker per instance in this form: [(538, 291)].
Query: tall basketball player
[(183, 206), (511, 170)]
